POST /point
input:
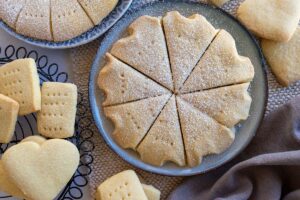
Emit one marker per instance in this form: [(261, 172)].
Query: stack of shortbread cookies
[(175, 88), (54, 20), (36, 168)]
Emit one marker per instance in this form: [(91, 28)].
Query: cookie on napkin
[(97, 10), (34, 20), (163, 142), (202, 134), (124, 185), (10, 10), (227, 105), (133, 120), (57, 116), (41, 171), (151, 192), (284, 58), (19, 80), (220, 65), (187, 40), (122, 83), (9, 109), (270, 19), (145, 49)]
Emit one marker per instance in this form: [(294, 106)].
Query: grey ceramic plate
[(246, 46), (84, 38)]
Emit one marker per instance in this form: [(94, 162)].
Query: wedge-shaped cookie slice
[(10, 10), (187, 39), (19, 80), (122, 83), (6, 184), (284, 58), (145, 50), (34, 20), (273, 19), (163, 142), (41, 171), (124, 185), (9, 110), (228, 105), (57, 116), (133, 120), (68, 19), (151, 192), (220, 65), (98, 9), (202, 134)]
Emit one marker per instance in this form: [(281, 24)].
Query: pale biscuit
[(228, 105), (68, 19), (151, 192), (284, 58), (145, 50), (41, 171), (273, 19), (35, 138), (19, 80), (133, 120), (219, 3), (57, 116), (34, 20), (187, 40), (220, 65), (163, 142), (98, 9), (202, 134), (9, 11), (6, 185), (122, 83), (124, 185), (9, 109)]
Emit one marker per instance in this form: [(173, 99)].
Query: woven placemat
[(106, 162)]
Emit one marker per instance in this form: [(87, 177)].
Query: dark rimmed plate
[(84, 38), (246, 45)]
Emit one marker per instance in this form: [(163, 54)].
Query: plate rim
[(77, 41), (157, 169)]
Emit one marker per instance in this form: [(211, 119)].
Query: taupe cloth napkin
[(268, 169)]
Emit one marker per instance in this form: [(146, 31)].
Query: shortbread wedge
[(228, 105), (19, 80), (57, 116), (97, 10), (187, 40), (122, 83), (220, 65), (133, 120), (151, 192), (68, 19), (124, 185), (34, 20), (10, 10), (145, 50), (164, 142), (9, 110), (202, 134)]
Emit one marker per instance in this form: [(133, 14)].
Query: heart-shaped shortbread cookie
[(271, 19), (41, 170)]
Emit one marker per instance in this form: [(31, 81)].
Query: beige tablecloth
[(106, 162)]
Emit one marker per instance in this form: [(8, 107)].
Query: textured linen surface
[(106, 162)]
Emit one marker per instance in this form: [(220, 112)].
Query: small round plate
[(246, 46), (84, 38)]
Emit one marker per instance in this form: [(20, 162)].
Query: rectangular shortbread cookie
[(19, 80), (8, 117), (57, 116), (124, 185)]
